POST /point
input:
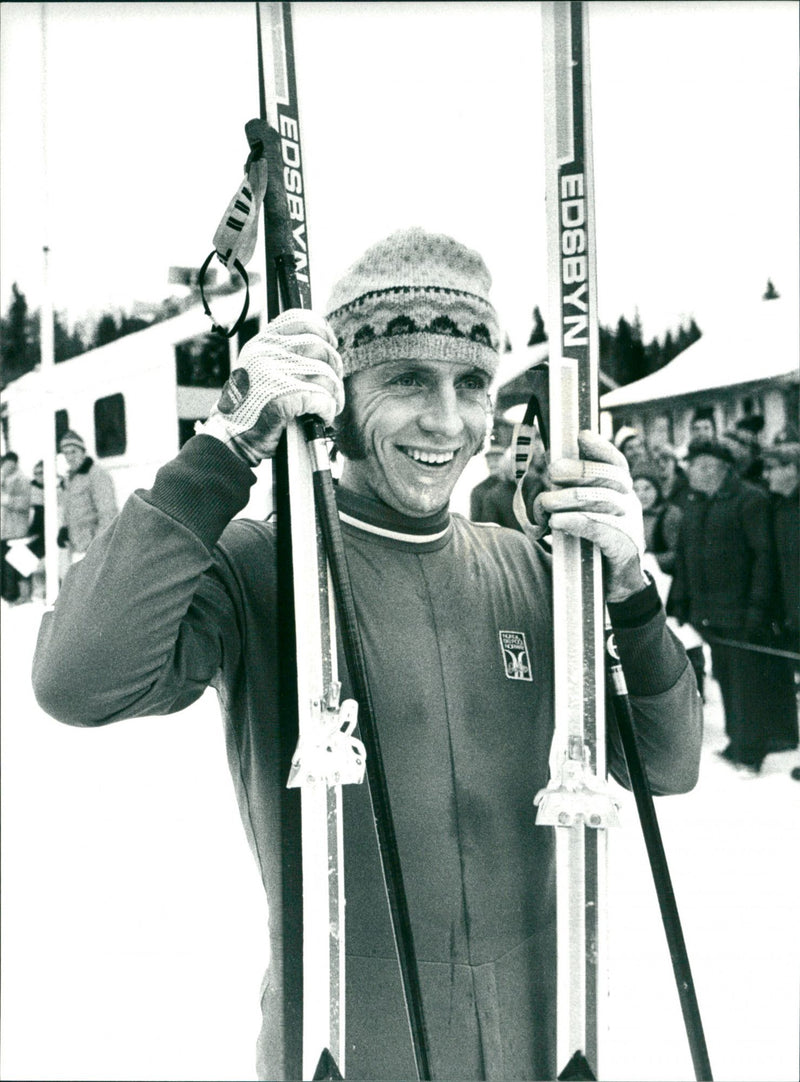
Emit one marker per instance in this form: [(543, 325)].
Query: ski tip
[(327, 1068), (577, 1070)]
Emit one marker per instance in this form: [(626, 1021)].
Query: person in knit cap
[(703, 425), (631, 442), (725, 586), (782, 475), (456, 622), (88, 503), (15, 514), (744, 444), (662, 521), (674, 482)]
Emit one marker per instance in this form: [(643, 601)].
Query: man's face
[(418, 424), (7, 468), (634, 449), (646, 492), (74, 456), (664, 466), (706, 473), (703, 429), (782, 477)]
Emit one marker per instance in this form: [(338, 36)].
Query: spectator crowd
[(87, 503), (722, 538)]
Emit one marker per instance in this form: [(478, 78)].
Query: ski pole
[(643, 796)]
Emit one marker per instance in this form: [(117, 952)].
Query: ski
[(328, 753), (314, 900), (575, 802)]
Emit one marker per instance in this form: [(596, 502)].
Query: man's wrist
[(625, 584), (637, 609), (216, 427)]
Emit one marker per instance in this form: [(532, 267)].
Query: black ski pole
[(642, 793)]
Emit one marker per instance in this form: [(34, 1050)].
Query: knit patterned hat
[(71, 439), (415, 295)]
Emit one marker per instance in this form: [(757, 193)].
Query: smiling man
[(456, 620)]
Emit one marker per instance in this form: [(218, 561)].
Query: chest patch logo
[(515, 655)]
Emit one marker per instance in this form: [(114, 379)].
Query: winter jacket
[(725, 567), (679, 493), (786, 528), (88, 504), (16, 512), (661, 528), (492, 500), (457, 631)]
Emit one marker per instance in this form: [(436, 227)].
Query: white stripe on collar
[(382, 531)]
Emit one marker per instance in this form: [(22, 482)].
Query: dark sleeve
[(756, 526), (663, 694), (678, 599), (669, 528), (142, 624)]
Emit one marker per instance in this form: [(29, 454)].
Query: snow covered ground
[(134, 927)]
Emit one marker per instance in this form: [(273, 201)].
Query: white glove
[(594, 499), (289, 370)]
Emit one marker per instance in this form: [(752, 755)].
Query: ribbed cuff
[(636, 609), (202, 488), (652, 658)]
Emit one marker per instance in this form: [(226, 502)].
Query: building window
[(186, 428), (109, 426), (660, 430), (248, 330), (203, 361)]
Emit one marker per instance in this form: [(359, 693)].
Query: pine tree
[(652, 356), (17, 353), (638, 360), (771, 293), (668, 350), (538, 334), (681, 339), (66, 344), (608, 360), (131, 324), (628, 351), (107, 330), (694, 331)]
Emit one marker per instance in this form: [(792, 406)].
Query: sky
[(411, 113)]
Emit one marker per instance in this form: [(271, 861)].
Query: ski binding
[(327, 752), (576, 793)]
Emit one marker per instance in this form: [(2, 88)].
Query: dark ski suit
[(457, 629)]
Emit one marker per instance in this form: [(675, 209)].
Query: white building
[(749, 365)]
